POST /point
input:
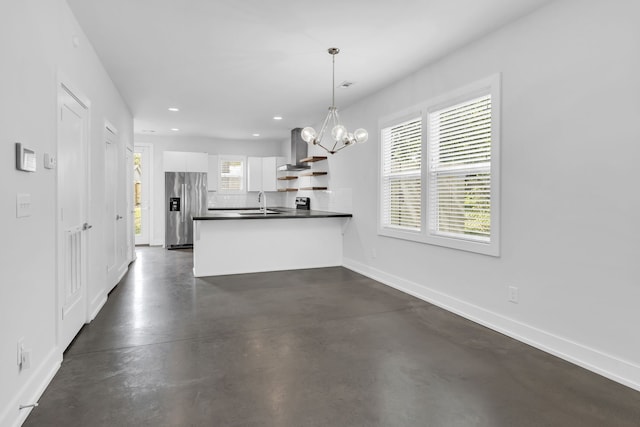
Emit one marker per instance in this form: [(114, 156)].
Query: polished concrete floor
[(320, 347)]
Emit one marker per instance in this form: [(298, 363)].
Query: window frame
[(231, 158), (490, 85), (392, 121)]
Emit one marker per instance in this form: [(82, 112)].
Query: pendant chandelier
[(341, 137)]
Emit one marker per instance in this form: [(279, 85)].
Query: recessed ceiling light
[(277, 118), (173, 109), (175, 129), (255, 134)]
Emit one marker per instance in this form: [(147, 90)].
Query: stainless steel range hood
[(298, 152)]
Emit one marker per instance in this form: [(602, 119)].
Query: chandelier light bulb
[(360, 135), (348, 140), (338, 133), (308, 134)]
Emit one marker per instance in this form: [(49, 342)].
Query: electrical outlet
[(20, 349), (513, 294), (26, 359), (23, 356)]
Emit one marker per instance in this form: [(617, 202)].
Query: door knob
[(86, 226), (119, 217)]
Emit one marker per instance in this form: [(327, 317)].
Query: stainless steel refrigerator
[(186, 197)]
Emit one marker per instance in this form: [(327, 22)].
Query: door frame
[(63, 84), (111, 138), (129, 234), (148, 177)]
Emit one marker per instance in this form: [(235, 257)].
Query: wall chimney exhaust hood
[(298, 152)]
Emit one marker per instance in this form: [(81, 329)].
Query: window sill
[(491, 249)]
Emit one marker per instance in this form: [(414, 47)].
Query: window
[(231, 178), (439, 171), (460, 170), (401, 175)]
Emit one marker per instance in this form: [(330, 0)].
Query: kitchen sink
[(258, 212), (243, 212)]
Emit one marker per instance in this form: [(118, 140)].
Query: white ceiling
[(231, 65)]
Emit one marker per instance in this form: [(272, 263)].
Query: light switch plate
[(23, 205), (49, 161)]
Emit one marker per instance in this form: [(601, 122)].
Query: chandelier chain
[(333, 81)]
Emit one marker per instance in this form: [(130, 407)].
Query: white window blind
[(401, 175), (231, 175), (460, 170)]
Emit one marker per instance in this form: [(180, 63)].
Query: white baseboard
[(31, 390), (100, 300), (123, 270), (621, 371), (97, 305)]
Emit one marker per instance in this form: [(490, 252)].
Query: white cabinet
[(269, 173), (182, 161), (173, 161), (212, 174), (261, 173), (197, 162), (254, 173)]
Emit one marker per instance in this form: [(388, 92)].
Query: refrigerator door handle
[(184, 201)]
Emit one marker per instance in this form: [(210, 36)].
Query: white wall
[(570, 153), (36, 49), (204, 145)]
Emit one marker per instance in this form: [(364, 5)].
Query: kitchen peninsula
[(233, 241)]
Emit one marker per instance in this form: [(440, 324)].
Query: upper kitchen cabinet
[(270, 167), (183, 161), (212, 174), (254, 174), (262, 173)]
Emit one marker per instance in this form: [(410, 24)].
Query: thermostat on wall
[(25, 158)]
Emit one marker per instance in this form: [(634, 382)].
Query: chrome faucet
[(262, 197)]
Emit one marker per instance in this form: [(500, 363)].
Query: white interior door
[(129, 234), (111, 204), (73, 226), (142, 191)]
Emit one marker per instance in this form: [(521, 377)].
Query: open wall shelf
[(288, 178), (316, 173), (313, 159)]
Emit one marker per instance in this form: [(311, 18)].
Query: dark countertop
[(248, 213)]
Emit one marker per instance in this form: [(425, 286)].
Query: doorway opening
[(142, 166)]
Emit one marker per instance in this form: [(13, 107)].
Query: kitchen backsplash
[(337, 200), (333, 200), (248, 200)]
